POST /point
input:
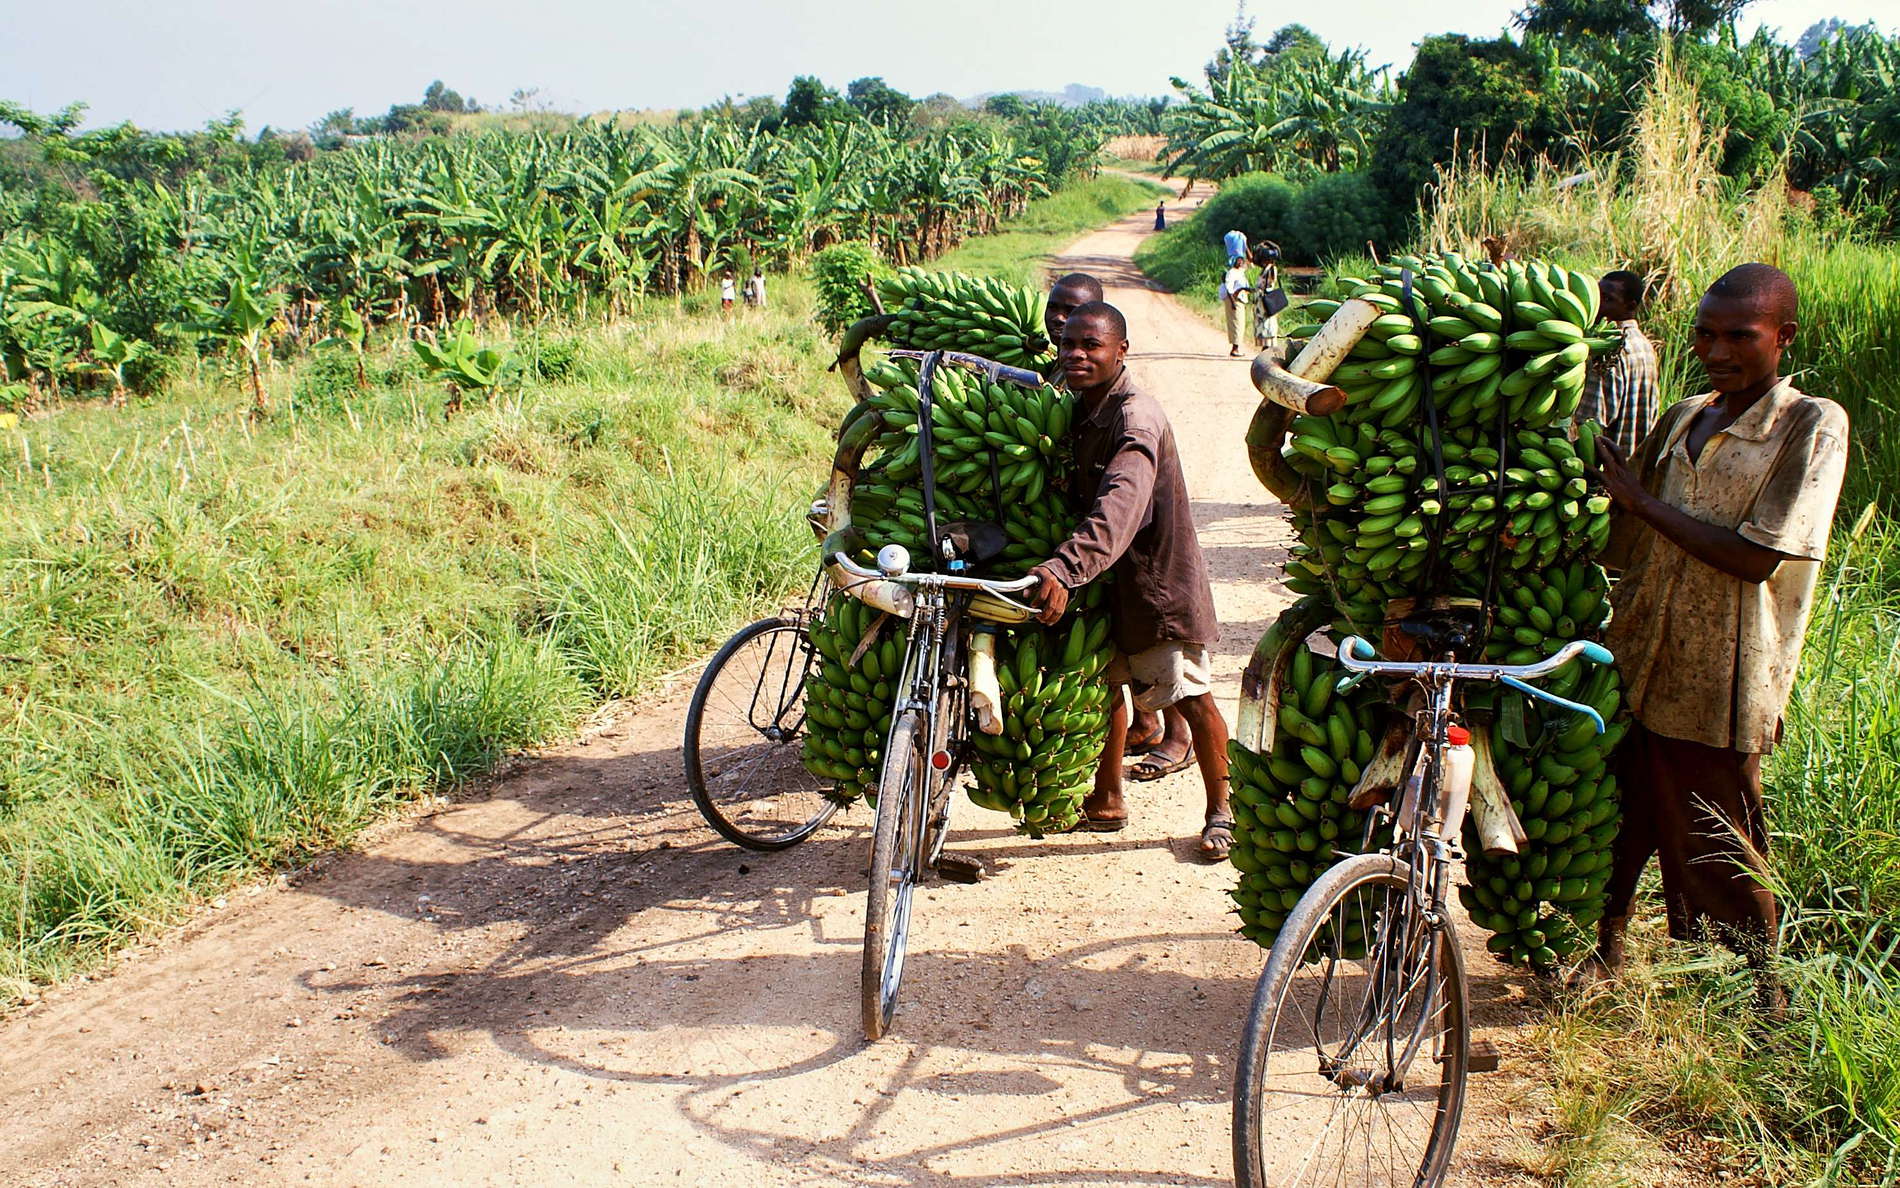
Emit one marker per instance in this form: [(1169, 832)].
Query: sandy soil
[(565, 978)]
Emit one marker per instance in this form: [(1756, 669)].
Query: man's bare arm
[(1723, 548)]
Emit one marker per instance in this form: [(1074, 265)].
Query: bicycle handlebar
[(1359, 656), (1021, 377), (946, 580)]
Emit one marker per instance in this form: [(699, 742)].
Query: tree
[(1237, 46), (879, 102), (440, 98), (810, 102), (1586, 18), (1007, 107), (1462, 96)]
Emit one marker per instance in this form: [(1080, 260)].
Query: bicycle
[(745, 729), (926, 746), (1358, 1036)]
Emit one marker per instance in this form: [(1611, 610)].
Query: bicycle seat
[(974, 541), (1457, 630)]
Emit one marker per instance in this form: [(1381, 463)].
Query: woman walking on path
[(1266, 318), (1161, 216), (1233, 292)]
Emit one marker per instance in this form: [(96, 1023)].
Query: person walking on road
[(1722, 528), (1619, 392), (1233, 294), (1266, 318), (1161, 216), (1137, 521)]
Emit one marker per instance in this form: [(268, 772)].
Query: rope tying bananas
[(1000, 454), (1448, 471)]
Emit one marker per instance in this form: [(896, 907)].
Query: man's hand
[(1051, 595), (1618, 479)]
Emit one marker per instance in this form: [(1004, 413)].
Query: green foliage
[(879, 102), (1260, 205), (840, 272), (809, 102), (1295, 112), (1464, 96), (1337, 214)]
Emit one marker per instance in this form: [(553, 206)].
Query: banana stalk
[(1265, 675), (1499, 830)]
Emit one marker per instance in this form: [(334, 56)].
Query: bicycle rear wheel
[(1353, 1063), (897, 861), (744, 730)]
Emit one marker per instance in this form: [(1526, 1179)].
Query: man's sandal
[(1217, 839), (1134, 748), (1153, 767)]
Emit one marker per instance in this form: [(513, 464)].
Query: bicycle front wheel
[(897, 860), (744, 729), (1352, 1067)]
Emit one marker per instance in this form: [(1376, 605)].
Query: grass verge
[(232, 645)]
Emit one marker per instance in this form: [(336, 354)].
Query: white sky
[(169, 64)]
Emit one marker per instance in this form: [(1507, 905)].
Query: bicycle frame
[(1418, 839)]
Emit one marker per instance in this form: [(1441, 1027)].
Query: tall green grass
[(229, 645)]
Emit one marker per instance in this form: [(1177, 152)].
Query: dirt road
[(566, 979)]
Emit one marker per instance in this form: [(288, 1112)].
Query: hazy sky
[(168, 64)]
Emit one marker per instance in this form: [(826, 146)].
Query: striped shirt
[(1619, 391)]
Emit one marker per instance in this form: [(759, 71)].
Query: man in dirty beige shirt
[(1723, 526)]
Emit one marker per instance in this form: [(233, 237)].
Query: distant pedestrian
[(1236, 244), (726, 292), (1233, 294), (1619, 391), (1268, 300), (755, 289), (1161, 216)]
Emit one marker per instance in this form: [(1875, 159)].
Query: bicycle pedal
[(1483, 1057), (957, 868)]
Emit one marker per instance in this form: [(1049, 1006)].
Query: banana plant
[(112, 353), (460, 360), (243, 320), (349, 330)]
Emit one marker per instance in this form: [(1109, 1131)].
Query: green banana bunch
[(1541, 903), (1291, 820), (849, 695), (999, 453), (1055, 717), (1516, 339), (1501, 355), (955, 312)]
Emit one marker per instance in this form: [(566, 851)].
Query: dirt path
[(565, 979)]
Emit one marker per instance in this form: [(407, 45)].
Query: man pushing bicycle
[(1137, 521)]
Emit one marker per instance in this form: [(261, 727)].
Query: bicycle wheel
[(897, 860), (1352, 1067), (744, 730)]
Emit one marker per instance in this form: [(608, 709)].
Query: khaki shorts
[(1164, 674)]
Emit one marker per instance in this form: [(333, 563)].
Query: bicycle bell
[(893, 560)]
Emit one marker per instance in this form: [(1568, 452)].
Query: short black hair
[(1104, 312), (1626, 283), (1763, 284), (1082, 281)]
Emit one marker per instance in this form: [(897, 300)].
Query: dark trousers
[(1699, 809)]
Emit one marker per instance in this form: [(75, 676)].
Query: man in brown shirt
[(1162, 740), (1136, 520), (1722, 529)]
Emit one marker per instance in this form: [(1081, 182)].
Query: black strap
[(927, 463)]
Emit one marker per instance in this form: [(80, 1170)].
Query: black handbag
[(1273, 300)]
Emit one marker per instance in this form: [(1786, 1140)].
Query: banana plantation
[(102, 282)]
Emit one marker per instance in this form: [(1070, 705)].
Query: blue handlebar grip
[(1361, 650), (1599, 654)]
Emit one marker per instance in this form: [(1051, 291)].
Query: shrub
[(1258, 205), (1337, 214), (839, 271)]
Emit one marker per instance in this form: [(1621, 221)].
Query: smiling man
[(1137, 521), (1723, 526)]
